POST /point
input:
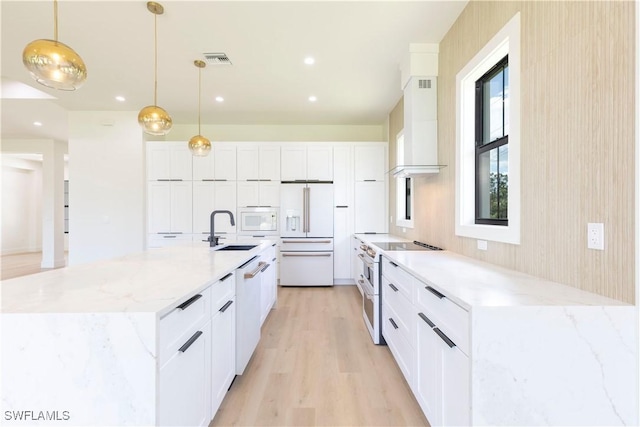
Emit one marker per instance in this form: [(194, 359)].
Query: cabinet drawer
[(185, 318), (449, 317), (402, 307), (402, 351), (398, 277), (222, 292)]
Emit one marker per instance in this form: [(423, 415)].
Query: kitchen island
[(89, 344)]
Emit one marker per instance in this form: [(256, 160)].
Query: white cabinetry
[(343, 212), (169, 205), (428, 336), (269, 285), (169, 161), (209, 196), (312, 162), (219, 165), (258, 162), (223, 338), (370, 188), (258, 194)]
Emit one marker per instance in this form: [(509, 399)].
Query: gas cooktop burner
[(405, 246)]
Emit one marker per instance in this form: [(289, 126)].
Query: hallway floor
[(17, 265)]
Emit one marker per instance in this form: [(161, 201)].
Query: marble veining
[(152, 281)]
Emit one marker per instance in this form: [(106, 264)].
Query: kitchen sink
[(235, 248)]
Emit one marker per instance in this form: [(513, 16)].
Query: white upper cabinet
[(307, 162), (258, 163), (343, 175), (169, 207), (258, 194), (169, 161), (219, 165), (370, 162), (210, 196)]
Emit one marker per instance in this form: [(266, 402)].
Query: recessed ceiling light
[(219, 99), (37, 123), (313, 98), (309, 60), (120, 98)]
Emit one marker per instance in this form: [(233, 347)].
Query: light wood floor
[(316, 365), (21, 265)]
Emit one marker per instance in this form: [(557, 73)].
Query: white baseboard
[(343, 282)]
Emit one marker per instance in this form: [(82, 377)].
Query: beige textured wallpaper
[(577, 145)]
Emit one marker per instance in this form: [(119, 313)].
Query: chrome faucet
[(213, 240)]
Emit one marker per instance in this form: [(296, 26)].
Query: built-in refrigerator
[(306, 250)]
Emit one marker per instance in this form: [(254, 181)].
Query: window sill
[(404, 223), (494, 233)]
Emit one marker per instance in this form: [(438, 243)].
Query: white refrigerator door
[(320, 207), (292, 210)]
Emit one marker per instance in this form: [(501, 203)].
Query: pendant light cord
[(155, 63), (199, 93), (55, 20)]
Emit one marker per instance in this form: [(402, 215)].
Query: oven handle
[(366, 261)]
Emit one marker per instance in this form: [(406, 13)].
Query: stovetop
[(405, 246)]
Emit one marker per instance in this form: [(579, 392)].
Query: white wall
[(106, 185), (21, 205), (279, 133)]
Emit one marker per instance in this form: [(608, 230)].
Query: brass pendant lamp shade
[(199, 145), (52, 63), (153, 119)]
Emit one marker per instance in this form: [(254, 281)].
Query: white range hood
[(420, 85)]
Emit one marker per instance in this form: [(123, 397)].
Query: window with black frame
[(492, 145)]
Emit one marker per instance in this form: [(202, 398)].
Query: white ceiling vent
[(217, 59)]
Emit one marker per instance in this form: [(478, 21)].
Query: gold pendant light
[(52, 63), (153, 119), (199, 145)]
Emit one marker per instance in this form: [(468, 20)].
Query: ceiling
[(357, 46)]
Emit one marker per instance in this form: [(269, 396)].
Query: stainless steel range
[(369, 281)]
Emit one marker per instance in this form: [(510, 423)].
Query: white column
[(53, 205)]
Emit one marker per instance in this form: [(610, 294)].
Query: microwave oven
[(258, 221)]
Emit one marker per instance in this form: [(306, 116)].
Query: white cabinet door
[(225, 163), (158, 161), (184, 396), (159, 205), (181, 207), (319, 163), (225, 199), (203, 205), (223, 351), (356, 262), (370, 162), (268, 283), (343, 228), (248, 193), (370, 207), (343, 175), (248, 162), (455, 386), (181, 161), (269, 163), (294, 163), (203, 167), (269, 193), (427, 377)]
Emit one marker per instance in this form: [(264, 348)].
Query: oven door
[(371, 311)]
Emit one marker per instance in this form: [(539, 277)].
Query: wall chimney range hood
[(420, 85)]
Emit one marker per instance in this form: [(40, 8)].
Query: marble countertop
[(472, 283), (152, 281)]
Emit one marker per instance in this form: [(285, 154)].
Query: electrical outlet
[(595, 236)]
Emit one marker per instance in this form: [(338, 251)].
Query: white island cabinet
[(146, 339), (483, 345)]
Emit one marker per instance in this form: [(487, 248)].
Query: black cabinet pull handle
[(445, 338), (265, 267), (392, 286), (190, 341), (393, 263), (426, 319), (369, 180), (226, 277), (225, 306), (190, 301), (342, 206), (436, 293), (393, 323)]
